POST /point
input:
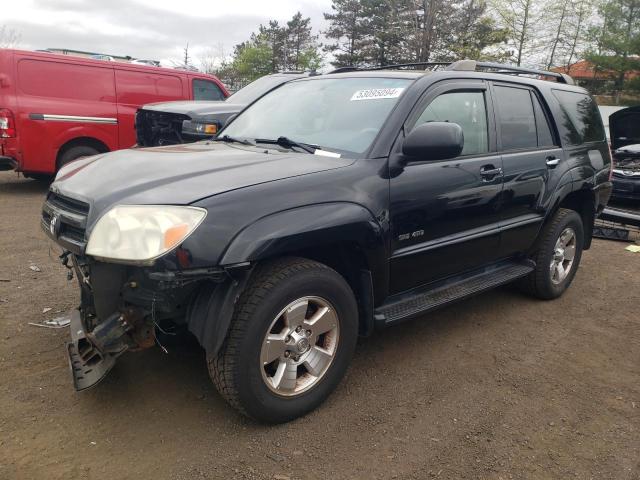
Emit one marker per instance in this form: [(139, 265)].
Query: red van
[(56, 108)]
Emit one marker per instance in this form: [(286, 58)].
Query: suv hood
[(624, 127), (195, 108), (180, 174)]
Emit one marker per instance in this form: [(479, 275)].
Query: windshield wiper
[(288, 143), (228, 139)]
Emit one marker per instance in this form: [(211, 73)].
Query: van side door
[(444, 213), (532, 159)]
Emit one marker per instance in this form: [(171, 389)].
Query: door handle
[(489, 171), (552, 162)]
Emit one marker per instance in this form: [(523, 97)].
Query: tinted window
[(516, 118), (468, 110), (206, 90), (581, 119), (545, 137), (334, 113)]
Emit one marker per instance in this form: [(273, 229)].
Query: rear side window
[(581, 122), (206, 90), (516, 118), (545, 137), (65, 80), (468, 110)]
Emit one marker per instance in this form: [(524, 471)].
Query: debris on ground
[(633, 248), (46, 309), (59, 322), (35, 268), (5, 280)]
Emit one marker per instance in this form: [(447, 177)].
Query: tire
[(240, 372), (545, 282), (75, 153)]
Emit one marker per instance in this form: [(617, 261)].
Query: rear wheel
[(558, 256), (291, 339), (75, 153)]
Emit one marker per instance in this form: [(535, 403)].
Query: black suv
[(331, 206)]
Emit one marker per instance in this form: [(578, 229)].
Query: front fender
[(303, 228)]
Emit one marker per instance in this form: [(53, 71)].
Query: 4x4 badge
[(54, 225)]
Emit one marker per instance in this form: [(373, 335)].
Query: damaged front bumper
[(122, 306)]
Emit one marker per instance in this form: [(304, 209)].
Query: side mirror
[(434, 141)]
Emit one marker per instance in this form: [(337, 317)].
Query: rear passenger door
[(532, 161)]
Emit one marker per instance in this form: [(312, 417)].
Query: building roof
[(585, 70)]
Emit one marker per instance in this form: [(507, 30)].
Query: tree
[(9, 37), (301, 46), (348, 28), (617, 39), (519, 17)]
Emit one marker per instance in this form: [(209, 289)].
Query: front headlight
[(142, 233)]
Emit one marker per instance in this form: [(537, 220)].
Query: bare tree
[(9, 37), (212, 58), (520, 17)]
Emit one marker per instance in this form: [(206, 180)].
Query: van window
[(65, 80), (581, 122), (516, 118), (468, 110), (141, 87), (206, 90)]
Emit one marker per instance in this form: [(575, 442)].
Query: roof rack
[(472, 66), (469, 66)]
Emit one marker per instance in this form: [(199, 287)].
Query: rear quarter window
[(65, 80), (580, 121)]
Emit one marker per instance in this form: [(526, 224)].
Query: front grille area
[(70, 221), (154, 129)]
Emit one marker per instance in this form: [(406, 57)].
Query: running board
[(418, 301)]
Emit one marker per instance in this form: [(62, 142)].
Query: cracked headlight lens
[(142, 233)]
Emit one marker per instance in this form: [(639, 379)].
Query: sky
[(149, 29)]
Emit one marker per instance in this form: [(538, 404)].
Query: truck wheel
[(75, 153), (291, 338), (558, 257)]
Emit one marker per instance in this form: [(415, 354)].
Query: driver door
[(445, 214)]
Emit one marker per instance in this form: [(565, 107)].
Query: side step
[(418, 301)]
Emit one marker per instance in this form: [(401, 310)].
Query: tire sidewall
[(258, 400), (573, 220), (74, 153)]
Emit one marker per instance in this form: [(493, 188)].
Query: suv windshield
[(334, 113), (258, 88)]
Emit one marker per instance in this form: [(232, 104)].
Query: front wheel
[(558, 256), (292, 336)]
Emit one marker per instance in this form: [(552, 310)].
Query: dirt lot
[(500, 386)]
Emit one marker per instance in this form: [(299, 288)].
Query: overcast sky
[(148, 29)]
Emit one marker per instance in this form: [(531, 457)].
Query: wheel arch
[(92, 142)]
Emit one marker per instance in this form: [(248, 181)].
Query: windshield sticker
[(325, 153), (377, 93)]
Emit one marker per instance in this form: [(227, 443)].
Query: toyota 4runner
[(331, 206)]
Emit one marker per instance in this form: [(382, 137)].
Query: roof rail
[(469, 66), (472, 65), (391, 67)]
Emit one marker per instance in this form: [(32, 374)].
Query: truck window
[(581, 122), (142, 87), (516, 118), (467, 109), (206, 90), (65, 80)]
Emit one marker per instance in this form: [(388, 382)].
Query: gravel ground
[(496, 387)]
